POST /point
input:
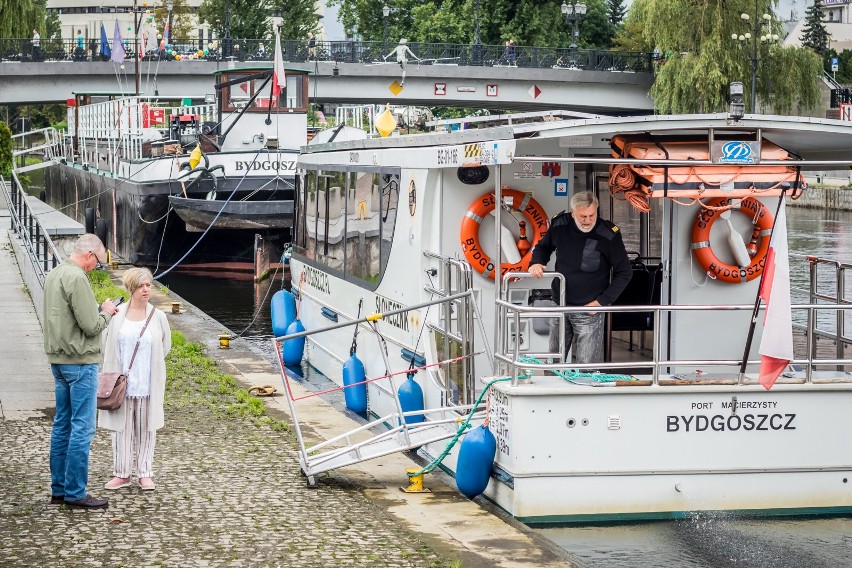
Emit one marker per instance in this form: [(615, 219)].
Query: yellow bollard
[(224, 342), (114, 264), (415, 482)]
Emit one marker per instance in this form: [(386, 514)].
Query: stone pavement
[(229, 492)]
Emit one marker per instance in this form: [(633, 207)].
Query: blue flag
[(105, 50), (117, 45)]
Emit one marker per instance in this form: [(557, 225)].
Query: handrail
[(344, 51), (656, 363), (40, 248)]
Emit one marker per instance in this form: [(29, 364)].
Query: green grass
[(104, 288), (194, 380)]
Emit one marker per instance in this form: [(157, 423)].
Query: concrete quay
[(229, 492)]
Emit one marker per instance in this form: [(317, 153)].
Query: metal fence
[(337, 51)]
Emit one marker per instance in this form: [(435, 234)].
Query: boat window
[(238, 96), (389, 201), (331, 208), (301, 206), (309, 244), (362, 227)]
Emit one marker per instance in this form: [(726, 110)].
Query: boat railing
[(43, 142), (407, 428), (35, 240), (826, 283), (455, 324), (509, 353)]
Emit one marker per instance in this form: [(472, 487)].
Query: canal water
[(700, 541)]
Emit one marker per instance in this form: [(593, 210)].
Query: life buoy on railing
[(758, 247), (476, 213)]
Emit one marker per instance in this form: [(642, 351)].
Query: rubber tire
[(101, 230), (90, 220), (42, 196)]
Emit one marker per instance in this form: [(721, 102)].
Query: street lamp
[(477, 41), (756, 39), (169, 5), (385, 14), (573, 13)]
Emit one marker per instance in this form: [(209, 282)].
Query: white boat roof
[(814, 141)]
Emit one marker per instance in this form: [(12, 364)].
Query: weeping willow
[(18, 18), (700, 59)]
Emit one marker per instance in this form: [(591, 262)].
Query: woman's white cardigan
[(161, 343)]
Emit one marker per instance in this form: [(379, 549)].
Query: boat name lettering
[(399, 320), (448, 156), (317, 279), (282, 165), (498, 420), (750, 404), (714, 270), (733, 422)]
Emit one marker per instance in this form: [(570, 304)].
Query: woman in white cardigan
[(135, 424)]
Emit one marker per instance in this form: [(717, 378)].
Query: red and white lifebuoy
[(523, 203), (708, 260)]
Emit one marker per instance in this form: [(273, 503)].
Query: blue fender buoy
[(411, 399), (356, 396), (293, 349), (476, 456), (282, 308)]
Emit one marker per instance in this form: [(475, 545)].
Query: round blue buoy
[(356, 396), (293, 349), (282, 308), (411, 399), (476, 456)]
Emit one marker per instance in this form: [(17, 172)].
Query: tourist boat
[(191, 179), (397, 238)]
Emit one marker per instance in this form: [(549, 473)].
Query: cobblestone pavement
[(229, 494)]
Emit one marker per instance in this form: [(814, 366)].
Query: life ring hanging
[(522, 202), (757, 248)]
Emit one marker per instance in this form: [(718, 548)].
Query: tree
[(252, 19), (5, 151), (814, 34), (616, 12), (703, 60), (19, 17), (181, 26)]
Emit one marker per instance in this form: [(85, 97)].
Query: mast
[(136, 45)]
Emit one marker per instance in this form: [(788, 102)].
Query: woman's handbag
[(112, 386)]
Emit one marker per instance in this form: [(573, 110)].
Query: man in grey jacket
[(72, 340)]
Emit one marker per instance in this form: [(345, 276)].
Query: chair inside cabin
[(644, 289)]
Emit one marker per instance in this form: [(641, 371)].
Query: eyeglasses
[(98, 264)]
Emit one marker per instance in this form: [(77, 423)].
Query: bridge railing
[(298, 51)]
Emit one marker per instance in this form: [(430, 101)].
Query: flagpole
[(756, 310), (136, 45)]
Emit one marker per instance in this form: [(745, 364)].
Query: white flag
[(278, 81)]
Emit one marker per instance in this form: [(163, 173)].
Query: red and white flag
[(278, 80), (776, 345)]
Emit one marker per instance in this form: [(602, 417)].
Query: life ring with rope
[(757, 248), (522, 202)]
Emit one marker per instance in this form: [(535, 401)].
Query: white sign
[(490, 90), (440, 89)]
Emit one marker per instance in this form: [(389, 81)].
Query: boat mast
[(136, 45)]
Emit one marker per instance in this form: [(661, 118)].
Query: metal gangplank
[(374, 439), (48, 146)]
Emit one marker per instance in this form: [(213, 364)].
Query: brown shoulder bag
[(112, 386)]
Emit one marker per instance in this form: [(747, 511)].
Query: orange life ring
[(759, 243), (476, 213)]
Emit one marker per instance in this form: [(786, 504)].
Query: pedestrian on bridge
[(36, 46), (72, 341)]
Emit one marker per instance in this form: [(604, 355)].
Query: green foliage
[(43, 115), (5, 151), (181, 25), (702, 59), (52, 26), (18, 18), (103, 287), (616, 12), (252, 19), (814, 34)]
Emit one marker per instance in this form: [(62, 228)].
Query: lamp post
[(169, 5), (385, 14), (477, 41), (137, 16), (573, 13), (226, 39), (756, 39)]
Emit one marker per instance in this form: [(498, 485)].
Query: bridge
[(355, 73)]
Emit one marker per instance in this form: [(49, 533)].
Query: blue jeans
[(589, 330), (73, 429)]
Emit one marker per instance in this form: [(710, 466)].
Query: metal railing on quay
[(507, 350), (480, 55), (40, 248)]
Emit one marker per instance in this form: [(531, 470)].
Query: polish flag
[(776, 345), (278, 81)]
